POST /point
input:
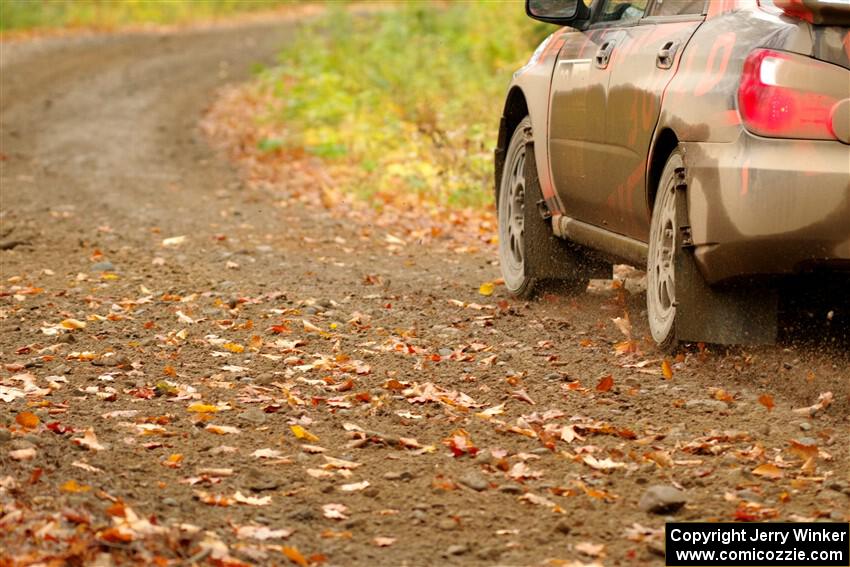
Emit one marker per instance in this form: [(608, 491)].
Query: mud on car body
[(708, 140)]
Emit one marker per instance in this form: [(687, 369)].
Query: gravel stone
[(662, 499)]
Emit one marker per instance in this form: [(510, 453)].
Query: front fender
[(528, 93)]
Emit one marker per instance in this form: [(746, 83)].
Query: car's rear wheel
[(661, 263)]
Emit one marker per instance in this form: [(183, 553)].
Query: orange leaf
[(723, 395), (117, 509), (256, 342), (295, 556), (114, 535), (768, 470), (666, 369), (605, 384), (804, 451), (27, 420), (767, 401)]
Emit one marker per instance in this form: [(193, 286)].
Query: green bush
[(410, 98)]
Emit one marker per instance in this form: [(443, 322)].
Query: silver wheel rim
[(512, 219), (661, 275)]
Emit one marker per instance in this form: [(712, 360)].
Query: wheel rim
[(512, 220), (661, 275)]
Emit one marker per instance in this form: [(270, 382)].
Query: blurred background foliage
[(410, 97), (403, 98), (105, 14)]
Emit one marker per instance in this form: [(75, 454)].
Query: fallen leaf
[(486, 289), (768, 470), (295, 556), (88, 441), (252, 500), (27, 454), (302, 433), (460, 443), (605, 384), (355, 486), (267, 454), (666, 369), (73, 486), (767, 401), (222, 429), (202, 408), (602, 464), (27, 420), (824, 401), (335, 511), (383, 541), (591, 549), (262, 533)]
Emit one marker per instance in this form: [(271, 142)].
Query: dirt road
[(226, 375)]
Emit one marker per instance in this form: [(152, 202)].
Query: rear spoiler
[(819, 12)]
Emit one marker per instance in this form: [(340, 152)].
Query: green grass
[(36, 14), (409, 98)]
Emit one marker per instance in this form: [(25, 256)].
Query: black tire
[(662, 262), (530, 255)]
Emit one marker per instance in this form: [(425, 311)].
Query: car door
[(578, 102), (642, 66)]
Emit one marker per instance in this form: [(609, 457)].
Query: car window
[(677, 7), (623, 10)]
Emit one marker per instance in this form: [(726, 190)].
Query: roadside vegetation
[(107, 14), (405, 102)]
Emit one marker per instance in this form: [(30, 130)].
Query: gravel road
[(173, 339)]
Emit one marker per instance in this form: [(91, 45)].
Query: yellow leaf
[(202, 408), (302, 433), (768, 470), (73, 324), (233, 347), (487, 288), (666, 369), (173, 461), (74, 486)]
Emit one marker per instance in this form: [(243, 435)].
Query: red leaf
[(605, 384)]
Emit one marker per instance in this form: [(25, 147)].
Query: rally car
[(707, 140)]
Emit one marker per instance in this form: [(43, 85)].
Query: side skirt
[(622, 247)]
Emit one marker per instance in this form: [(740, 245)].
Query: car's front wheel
[(661, 263), (531, 256), (511, 213)]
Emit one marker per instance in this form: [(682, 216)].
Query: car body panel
[(635, 92), (785, 209)]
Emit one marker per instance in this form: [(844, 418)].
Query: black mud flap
[(746, 315), (552, 258)]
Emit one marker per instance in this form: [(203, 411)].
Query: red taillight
[(784, 95)]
